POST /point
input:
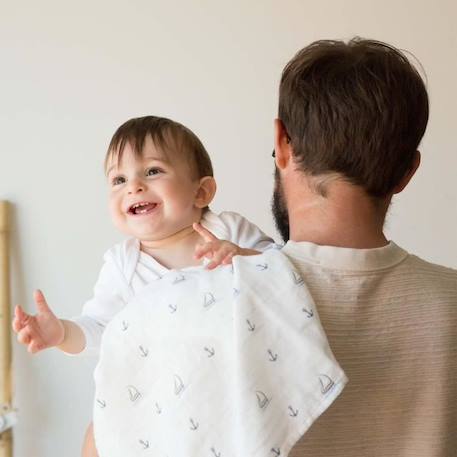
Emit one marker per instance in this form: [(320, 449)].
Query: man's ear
[(283, 148), (205, 192), (409, 174)]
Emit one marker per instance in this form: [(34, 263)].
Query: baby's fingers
[(17, 325), (24, 335), (19, 313), (228, 258), (217, 259), (204, 233), (19, 320), (34, 347), (204, 250)]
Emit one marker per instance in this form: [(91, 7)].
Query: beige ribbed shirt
[(391, 320)]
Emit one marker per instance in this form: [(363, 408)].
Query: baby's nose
[(136, 186)]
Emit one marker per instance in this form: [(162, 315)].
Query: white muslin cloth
[(225, 363)]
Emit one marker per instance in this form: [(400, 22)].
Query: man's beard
[(279, 208)]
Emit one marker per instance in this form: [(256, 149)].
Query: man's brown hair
[(174, 141), (359, 109)]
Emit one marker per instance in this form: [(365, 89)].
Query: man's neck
[(346, 217)]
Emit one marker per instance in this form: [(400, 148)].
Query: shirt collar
[(346, 258)]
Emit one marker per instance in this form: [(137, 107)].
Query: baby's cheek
[(116, 213)]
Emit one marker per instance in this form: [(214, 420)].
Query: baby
[(161, 183)]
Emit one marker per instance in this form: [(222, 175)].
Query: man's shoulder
[(430, 272)]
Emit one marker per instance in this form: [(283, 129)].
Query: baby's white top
[(127, 269)]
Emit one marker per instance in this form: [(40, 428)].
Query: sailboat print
[(262, 399), (179, 385), (298, 279), (178, 279), (326, 383), (134, 394), (209, 300), (158, 409)]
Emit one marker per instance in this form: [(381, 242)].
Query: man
[(351, 117)]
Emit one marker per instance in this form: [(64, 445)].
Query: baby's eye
[(153, 171), (118, 180)]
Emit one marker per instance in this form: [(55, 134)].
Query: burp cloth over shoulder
[(225, 363)]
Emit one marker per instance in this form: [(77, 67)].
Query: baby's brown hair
[(168, 136)]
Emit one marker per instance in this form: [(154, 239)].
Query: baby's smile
[(141, 208)]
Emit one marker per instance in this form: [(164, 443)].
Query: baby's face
[(151, 198)]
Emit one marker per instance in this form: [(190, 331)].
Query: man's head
[(160, 177), (355, 110)]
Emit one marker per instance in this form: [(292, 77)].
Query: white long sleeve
[(111, 293)]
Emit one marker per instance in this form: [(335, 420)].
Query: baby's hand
[(220, 252), (42, 331)]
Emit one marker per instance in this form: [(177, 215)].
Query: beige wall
[(71, 72)]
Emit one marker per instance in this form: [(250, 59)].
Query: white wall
[(71, 72)]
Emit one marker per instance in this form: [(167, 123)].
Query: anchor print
[(262, 399), (101, 403), (125, 326), (143, 352), (193, 425), (209, 300), (276, 451), (298, 279), (308, 312), (209, 351), (251, 327), (173, 308), (274, 357), (216, 454), (262, 266), (326, 382), (145, 444), (158, 409), (134, 394), (179, 385), (293, 412), (178, 279)]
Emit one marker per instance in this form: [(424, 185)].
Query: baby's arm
[(89, 449), (45, 330), (108, 299)]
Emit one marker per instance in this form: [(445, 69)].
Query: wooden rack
[(7, 416)]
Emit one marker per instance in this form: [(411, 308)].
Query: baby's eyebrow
[(156, 159)]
